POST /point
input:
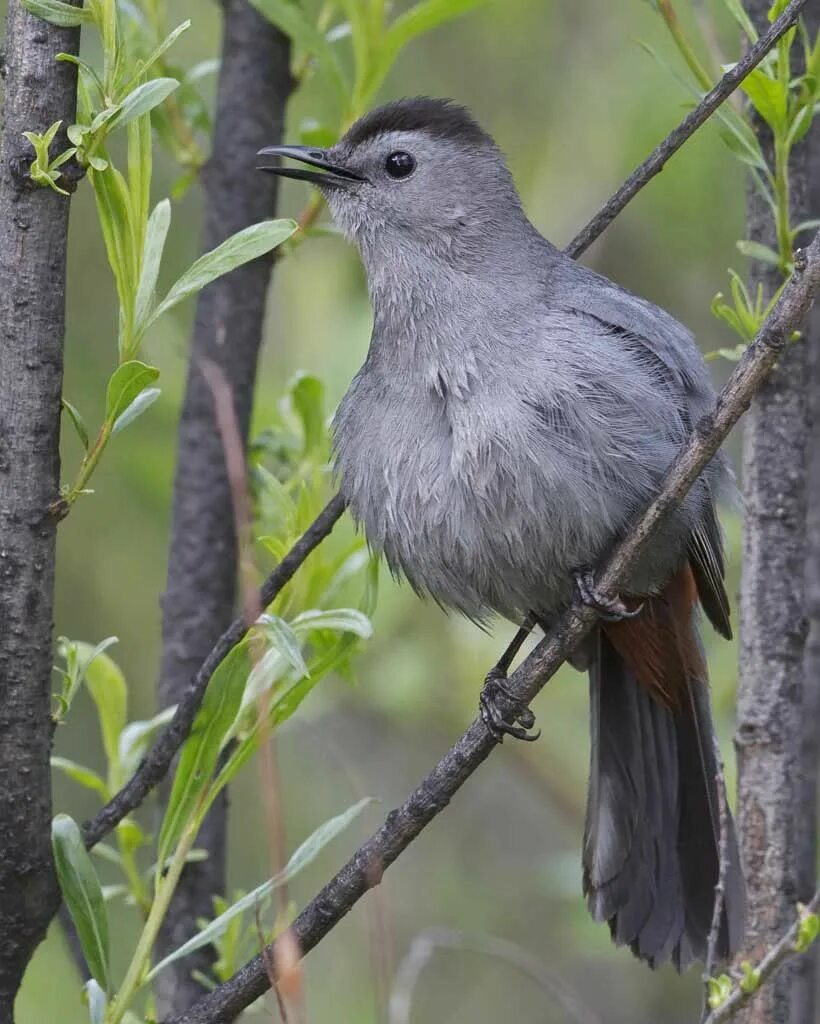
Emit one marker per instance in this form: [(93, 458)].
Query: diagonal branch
[(365, 869), (155, 766), (657, 160)]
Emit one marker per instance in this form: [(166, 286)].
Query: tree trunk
[(200, 596), (33, 238), (805, 982), (773, 619)]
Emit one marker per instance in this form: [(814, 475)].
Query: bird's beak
[(328, 173)]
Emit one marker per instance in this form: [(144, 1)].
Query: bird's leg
[(610, 609), (497, 702)]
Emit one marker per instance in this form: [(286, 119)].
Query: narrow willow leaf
[(143, 99), (245, 245), (127, 381), (114, 212), (106, 684), (290, 18), (201, 750), (306, 853), (97, 1002), (166, 43), (340, 620), (137, 736), (155, 235), (143, 400), (758, 251), (284, 640), (77, 421), (83, 896), (80, 774), (58, 13)]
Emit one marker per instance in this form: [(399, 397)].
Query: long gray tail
[(651, 843)]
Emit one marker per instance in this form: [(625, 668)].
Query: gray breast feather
[(490, 497)]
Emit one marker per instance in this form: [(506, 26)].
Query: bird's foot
[(502, 712), (610, 609)]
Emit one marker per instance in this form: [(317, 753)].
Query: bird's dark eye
[(400, 164)]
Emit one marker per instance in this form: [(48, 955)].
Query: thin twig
[(783, 951), (402, 825), (690, 124), (723, 867), (154, 767), (425, 944)]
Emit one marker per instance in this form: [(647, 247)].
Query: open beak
[(328, 173)]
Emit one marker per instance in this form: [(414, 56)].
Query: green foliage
[(44, 170), (122, 97), (808, 929), (83, 896), (719, 989), (787, 104), (229, 920)]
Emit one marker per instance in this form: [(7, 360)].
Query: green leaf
[(284, 640), (106, 684), (289, 18), (245, 245), (116, 222), (97, 1002), (58, 13), (768, 95), (808, 929), (800, 125), (143, 400), (719, 990), (137, 736), (155, 235), (127, 381), (306, 853), (200, 752), (82, 894), (166, 43), (750, 979), (80, 774), (142, 100), (307, 394), (77, 421), (757, 251), (77, 665), (340, 620)]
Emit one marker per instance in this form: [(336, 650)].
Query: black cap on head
[(442, 118)]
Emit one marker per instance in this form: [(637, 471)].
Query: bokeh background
[(575, 103)]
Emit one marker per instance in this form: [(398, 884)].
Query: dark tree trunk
[(200, 596), (805, 982), (771, 796), (33, 237)]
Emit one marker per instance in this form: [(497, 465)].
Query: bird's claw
[(497, 703), (610, 609)]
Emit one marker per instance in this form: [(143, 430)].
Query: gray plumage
[(514, 412)]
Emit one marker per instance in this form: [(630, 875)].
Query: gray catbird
[(514, 412)]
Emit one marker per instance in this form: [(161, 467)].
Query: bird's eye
[(400, 164)]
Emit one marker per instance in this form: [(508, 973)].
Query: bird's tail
[(652, 837)]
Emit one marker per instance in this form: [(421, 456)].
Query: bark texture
[(774, 626), (804, 999), (33, 237), (200, 595)]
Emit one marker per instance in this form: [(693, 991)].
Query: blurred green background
[(575, 103)]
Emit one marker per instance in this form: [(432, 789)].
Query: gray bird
[(513, 414)]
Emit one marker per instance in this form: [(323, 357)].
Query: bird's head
[(417, 173)]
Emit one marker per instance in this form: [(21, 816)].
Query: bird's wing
[(673, 358)]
